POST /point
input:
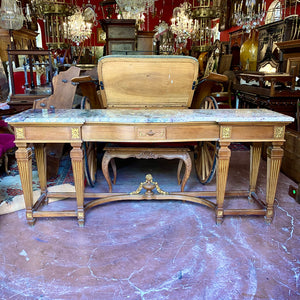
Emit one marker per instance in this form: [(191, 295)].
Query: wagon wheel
[(206, 152), (89, 152)]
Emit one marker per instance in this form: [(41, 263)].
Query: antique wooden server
[(148, 100)]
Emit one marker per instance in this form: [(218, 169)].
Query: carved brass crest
[(279, 132), (75, 133), (20, 133), (226, 132)]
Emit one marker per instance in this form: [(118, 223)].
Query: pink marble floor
[(155, 250)]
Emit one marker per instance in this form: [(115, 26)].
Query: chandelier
[(55, 15), (183, 26), (79, 29), (134, 9), (12, 17), (248, 14)]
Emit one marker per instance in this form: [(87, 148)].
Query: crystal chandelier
[(54, 14), (78, 29), (183, 26), (248, 14), (12, 17), (134, 9)]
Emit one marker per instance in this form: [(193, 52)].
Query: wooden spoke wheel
[(89, 152), (206, 152)]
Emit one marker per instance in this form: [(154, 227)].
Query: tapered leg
[(78, 173), (24, 160), (41, 162), (223, 157), (255, 154), (275, 154)]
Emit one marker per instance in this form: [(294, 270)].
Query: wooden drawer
[(150, 133)]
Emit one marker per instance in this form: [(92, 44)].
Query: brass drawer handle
[(150, 133)]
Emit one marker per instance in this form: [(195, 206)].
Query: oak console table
[(156, 125)]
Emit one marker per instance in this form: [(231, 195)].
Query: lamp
[(54, 14), (183, 26), (205, 11), (12, 17), (134, 9), (79, 29), (249, 14)]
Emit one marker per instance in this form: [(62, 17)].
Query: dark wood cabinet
[(120, 36)]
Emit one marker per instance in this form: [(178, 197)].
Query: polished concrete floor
[(156, 250)]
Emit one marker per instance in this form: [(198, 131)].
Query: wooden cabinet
[(24, 39), (270, 35), (120, 36), (145, 42)]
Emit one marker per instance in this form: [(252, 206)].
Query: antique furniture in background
[(120, 35), (31, 63), (257, 94), (144, 42), (271, 34), (24, 39), (236, 39)]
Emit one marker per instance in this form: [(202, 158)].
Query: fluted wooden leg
[(223, 157), (41, 162), (275, 154), (78, 173), (24, 160), (255, 154)]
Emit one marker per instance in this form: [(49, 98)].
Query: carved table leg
[(24, 160), (78, 173), (105, 162), (255, 154), (179, 170), (40, 156), (188, 168), (223, 156), (114, 168), (275, 154)]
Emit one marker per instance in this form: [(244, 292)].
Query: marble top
[(141, 115)]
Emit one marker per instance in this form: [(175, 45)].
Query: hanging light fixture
[(79, 29), (248, 14), (12, 17), (55, 16), (133, 9), (183, 26)]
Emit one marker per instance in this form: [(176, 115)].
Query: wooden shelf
[(289, 46)]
